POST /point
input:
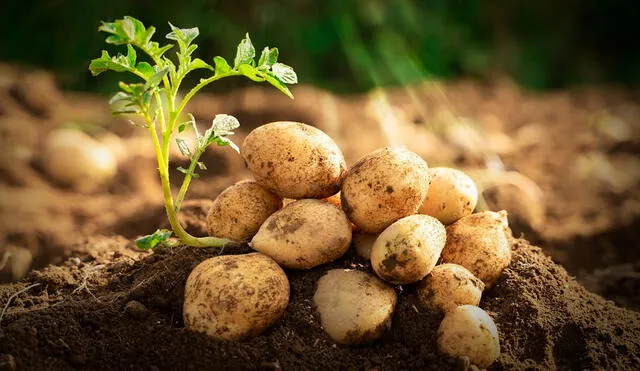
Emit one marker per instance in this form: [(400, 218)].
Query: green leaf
[(183, 147), (106, 63), (131, 31), (199, 63), (201, 165), (245, 53), (131, 55), (181, 127), (120, 96), (221, 65), (284, 73), (271, 79), (224, 124), (150, 241), (268, 58), (183, 36), (145, 69), (250, 72), (156, 78)]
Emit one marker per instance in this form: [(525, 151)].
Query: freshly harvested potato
[(452, 195), (468, 331), (239, 211), (364, 242), (304, 234), (294, 160), (355, 307), (235, 297), (480, 243), (75, 159), (384, 186), (408, 249), (447, 287)]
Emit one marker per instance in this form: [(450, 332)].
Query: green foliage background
[(354, 45)]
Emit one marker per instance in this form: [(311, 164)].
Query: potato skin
[(384, 186), (304, 234), (452, 195), (480, 243), (355, 307), (408, 249), (449, 286), (468, 331), (294, 160), (239, 211), (235, 297)]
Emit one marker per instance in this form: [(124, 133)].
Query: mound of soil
[(111, 307)]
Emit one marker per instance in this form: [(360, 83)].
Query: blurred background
[(352, 46)]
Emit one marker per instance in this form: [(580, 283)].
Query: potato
[(448, 286), (363, 243), (468, 331), (239, 211), (304, 234), (75, 159), (355, 307), (384, 186), (480, 243), (294, 160), (235, 297), (408, 249), (452, 195)]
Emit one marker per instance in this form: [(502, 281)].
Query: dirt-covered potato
[(294, 160), (75, 159), (363, 243), (384, 186), (304, 234), (468, 331), (235, 297), (355, 307), (239, 211), (480, 243), (408, 249), (452, 195), (447, 287)]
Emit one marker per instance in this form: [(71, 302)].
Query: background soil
[(565, 166)]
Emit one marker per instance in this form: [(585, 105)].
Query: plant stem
[(187, 180), (201, 85)]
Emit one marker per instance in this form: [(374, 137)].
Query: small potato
[(363, 243), (480, 243), (384, 186), (452, 195), (355, 307), (294, 160), (235, 297), (468, 331), (75, 159), (408, 249), (447, 287), (239, 211), (304, 234)]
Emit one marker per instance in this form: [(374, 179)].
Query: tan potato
[(355, 307), (384, 186), (304, 234), (239, 211), (75, 159), (480, 243), (363, 243), (468, 331), (447, 287), (452, 195), (294, 160), (408, 249), (235, 297)]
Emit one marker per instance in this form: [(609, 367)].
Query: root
[(13, 297), (85, 285)]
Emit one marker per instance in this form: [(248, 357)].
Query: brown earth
[(563, 164)]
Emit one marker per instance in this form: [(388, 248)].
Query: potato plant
[(156, 100)]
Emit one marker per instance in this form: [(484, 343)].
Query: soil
[(564, 164)]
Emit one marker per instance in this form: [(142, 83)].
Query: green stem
[(201, 85), (187, 180)]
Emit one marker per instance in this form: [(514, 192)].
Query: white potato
[(449, 286), (452, 195)]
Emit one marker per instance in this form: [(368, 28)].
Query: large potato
[(239, 211), (75, 159), (355, 307), (452, 195), (468, 331), (304, 234), (235, 297), (480, 243), (447, 287), (408, 249), (294, 160), (384, 186)]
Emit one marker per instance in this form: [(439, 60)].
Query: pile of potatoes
[(304, 209)]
